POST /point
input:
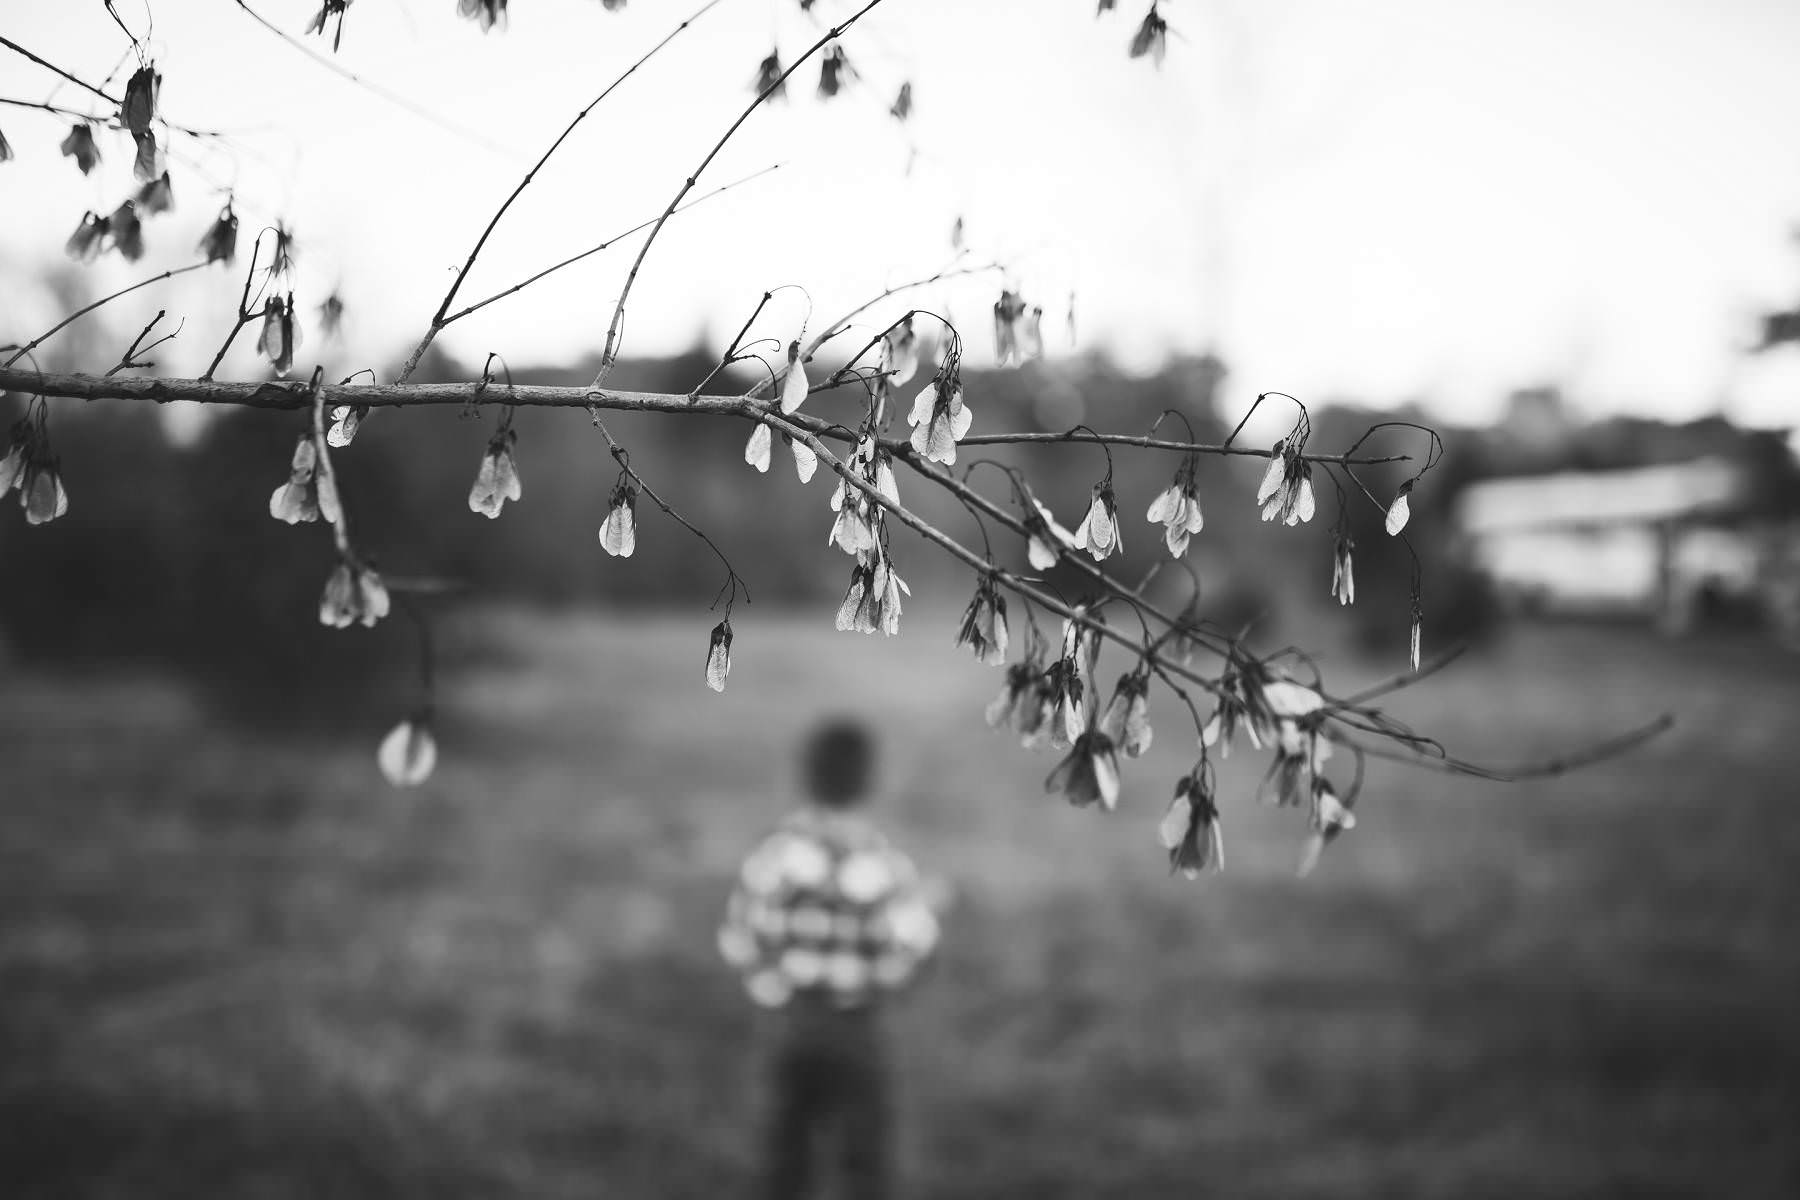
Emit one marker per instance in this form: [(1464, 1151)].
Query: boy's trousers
[(829, 1103)]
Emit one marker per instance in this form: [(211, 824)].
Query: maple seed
[(489, 12), (408, 753), (618, 534), (220, 242), (85, 244), (718, 656), (769, 78), (80, 146), (497, 479)]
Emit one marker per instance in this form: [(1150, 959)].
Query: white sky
[(1390, 200)]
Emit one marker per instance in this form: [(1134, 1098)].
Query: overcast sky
[(1391, 200)]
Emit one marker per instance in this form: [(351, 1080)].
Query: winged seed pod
[(853, 530), (871, 603), (127, 231), (618, 533), (1127, 717), (1177, 509), (1286, 490), (1015, 329), (885, 483), (834, 71), (1190, 829), (220, 242), (1089, 773), (805, 461), (408, 753), (1343, 570), (149, 161), (346, 422), (1300, 753), (1400, 511), (1330, 817), (900, 354), (768, 77), (1230, 713), (309, 492), (35, 471), (281, 257), (89, 238), (6, 150), (1418, 624), (718, 655), (854, 596), (794, 385), (756, 450), (79, 145), (18, 451), (939, 417), (1151, 38), (41, 492), (138, 110), (327, 11), (331, 315), (489, 12), (280, 333), (1099, 533), (497, 479), (1023, 702), (1029, 333), (1046, 539), (157, 196), (885, 590), (1068, 702), (354, 595), (983, 628)]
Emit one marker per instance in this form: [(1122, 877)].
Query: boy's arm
[(909, 922), (753, 913)]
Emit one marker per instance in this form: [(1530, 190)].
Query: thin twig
[(726, 359), (374, 88), (244, 313), (1546, 768), (56, 70), (609, 354), (130, 361), (438, 319), (1149, 443), (607, 244), (28, 347), (58, 109), (519, 189)]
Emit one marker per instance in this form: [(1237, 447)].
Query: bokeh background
[(234, 962)]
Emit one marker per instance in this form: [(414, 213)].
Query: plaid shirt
[(825, 906)]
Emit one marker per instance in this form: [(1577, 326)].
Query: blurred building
[(1681, 544)]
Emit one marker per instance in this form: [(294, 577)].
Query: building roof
[(1702, 487)]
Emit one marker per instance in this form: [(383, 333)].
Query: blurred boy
[(826, 919)]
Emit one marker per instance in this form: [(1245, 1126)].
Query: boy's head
[(839, 761)]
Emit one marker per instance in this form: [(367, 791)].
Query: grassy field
[(240, 967)]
